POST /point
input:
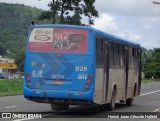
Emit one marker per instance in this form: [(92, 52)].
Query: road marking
[(156, 110), (150, 93), (10, 107)]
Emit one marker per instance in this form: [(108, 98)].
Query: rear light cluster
[(28, 79), (88, 82)]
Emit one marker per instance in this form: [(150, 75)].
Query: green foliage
[(19, 59), (65, 8), (152, 70), (156, 55), (146, 56), (151, 63), (15, 21), (75, 19), (11, 86)]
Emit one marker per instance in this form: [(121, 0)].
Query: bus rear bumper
[(58, 96)]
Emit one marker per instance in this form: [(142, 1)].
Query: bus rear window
[(58, 40)]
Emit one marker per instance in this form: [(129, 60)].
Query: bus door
[(106, 70), (126, 69)]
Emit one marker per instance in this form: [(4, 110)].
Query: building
[(7, 65)]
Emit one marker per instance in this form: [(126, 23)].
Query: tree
[(19, 59), (156, 55), (152, 70), (52, 14), (151, 63), (14, 24), (65, 8), (75, 19), (146, 56), (2, 49)]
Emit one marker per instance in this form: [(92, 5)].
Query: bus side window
[(111, 61), (99, 51), (136, 58), (132, 57), (121, 49), (133, 52), (115, 48), (116, 55)]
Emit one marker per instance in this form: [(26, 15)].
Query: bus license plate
[(58, 82)]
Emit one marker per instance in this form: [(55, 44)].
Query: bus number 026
[(81, 68)]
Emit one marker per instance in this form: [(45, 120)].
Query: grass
[(11, 87), (146, 81)]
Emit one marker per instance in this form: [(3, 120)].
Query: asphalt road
[(148, 101)]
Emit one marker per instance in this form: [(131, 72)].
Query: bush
[(152, 70)]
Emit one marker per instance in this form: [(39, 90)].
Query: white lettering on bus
[(81, 68), (82, 76)]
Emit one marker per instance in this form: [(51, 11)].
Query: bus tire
[(59, 107), (129, 101), (135, 90), (111, 105)]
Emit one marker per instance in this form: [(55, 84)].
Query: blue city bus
[(76, 65)]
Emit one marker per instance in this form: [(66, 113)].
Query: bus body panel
[(31, 94), (124, 80), (59, 72), (99, 86)]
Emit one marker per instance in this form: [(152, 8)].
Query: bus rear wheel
[(111, 105), (59, 107), (129, 101)]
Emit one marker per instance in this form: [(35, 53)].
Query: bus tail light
[(27, 74), (90, 76), (88, 81), (30, 84), (86, 87), (28, 79)]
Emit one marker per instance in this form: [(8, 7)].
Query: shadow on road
[(86, 112)]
